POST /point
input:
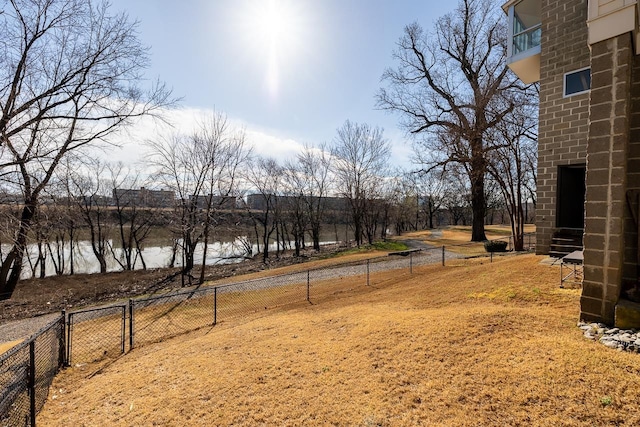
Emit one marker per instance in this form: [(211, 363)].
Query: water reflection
[(158, 254)]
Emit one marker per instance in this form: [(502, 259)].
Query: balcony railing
[(527, 39)]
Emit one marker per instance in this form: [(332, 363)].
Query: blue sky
[(290, 71)]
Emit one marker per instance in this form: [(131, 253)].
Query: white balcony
[(611, 18), (525, 30)]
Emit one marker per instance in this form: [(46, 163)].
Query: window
[(526, 26), (577, 82)]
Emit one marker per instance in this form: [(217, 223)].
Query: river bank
[(34, 297)]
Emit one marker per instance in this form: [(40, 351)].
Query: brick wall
[(605, 207), (562, 135), (633, 181)]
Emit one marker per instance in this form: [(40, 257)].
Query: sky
[(289, 71)]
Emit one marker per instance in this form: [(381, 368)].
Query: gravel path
[(21, 329)]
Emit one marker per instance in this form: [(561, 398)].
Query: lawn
[(456, 238), (472, 343)]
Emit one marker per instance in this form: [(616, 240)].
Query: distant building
[(217, 202), (258, 201), (143, 197)]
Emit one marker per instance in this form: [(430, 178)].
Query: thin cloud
[(129, 146)]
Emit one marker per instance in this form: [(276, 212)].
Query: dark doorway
[(570, 197)]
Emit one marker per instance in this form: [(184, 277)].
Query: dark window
[(577, 82)]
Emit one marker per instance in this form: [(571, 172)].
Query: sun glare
[(273, 22), (273, 33)]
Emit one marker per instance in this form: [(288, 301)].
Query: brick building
[(143, 197), (585, 54)]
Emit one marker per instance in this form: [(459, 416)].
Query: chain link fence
[(262, 294), (26, 373), (93, 335), (156, 318), (96, 334), (101, 333)]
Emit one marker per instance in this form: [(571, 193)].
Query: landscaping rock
[(623, 340)]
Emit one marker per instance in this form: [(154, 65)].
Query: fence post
[(367, 272), (131, 326), (215, 306), (410, 263), (491, 256), (308, 286), (443, 255), (63, 354), (124, 327), (69, 338), (32, 382)]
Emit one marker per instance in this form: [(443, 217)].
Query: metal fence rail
[(26, 373)]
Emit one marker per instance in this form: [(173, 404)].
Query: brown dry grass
[(6, 346), (456, 238), (467, 344)]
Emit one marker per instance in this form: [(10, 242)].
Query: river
[(157, 253)]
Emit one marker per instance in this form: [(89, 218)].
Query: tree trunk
[(478, 202), (71, 258), (42, 259), (517, 227), (204, 250), (103, 263), (315, 235), (478, 210), (12, 265), (297, 245)]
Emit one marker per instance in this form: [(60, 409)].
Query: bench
[(575, 260)]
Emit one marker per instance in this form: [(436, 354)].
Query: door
[(570, 197)]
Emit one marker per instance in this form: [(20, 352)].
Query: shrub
[(495, 246)]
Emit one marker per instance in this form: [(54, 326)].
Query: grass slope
[(467, 344)]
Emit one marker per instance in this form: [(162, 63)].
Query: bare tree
[(313, 169), (133, 213), (510, 165), (71, 218), (59, 241), (295, 213), (180, 167), (306, 182), (227, 154), (264, 176), (448, 89), (91, 192), (202, 169), (431, 190), (407, 199), (360, 155), (70, 78), (457, 196)]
